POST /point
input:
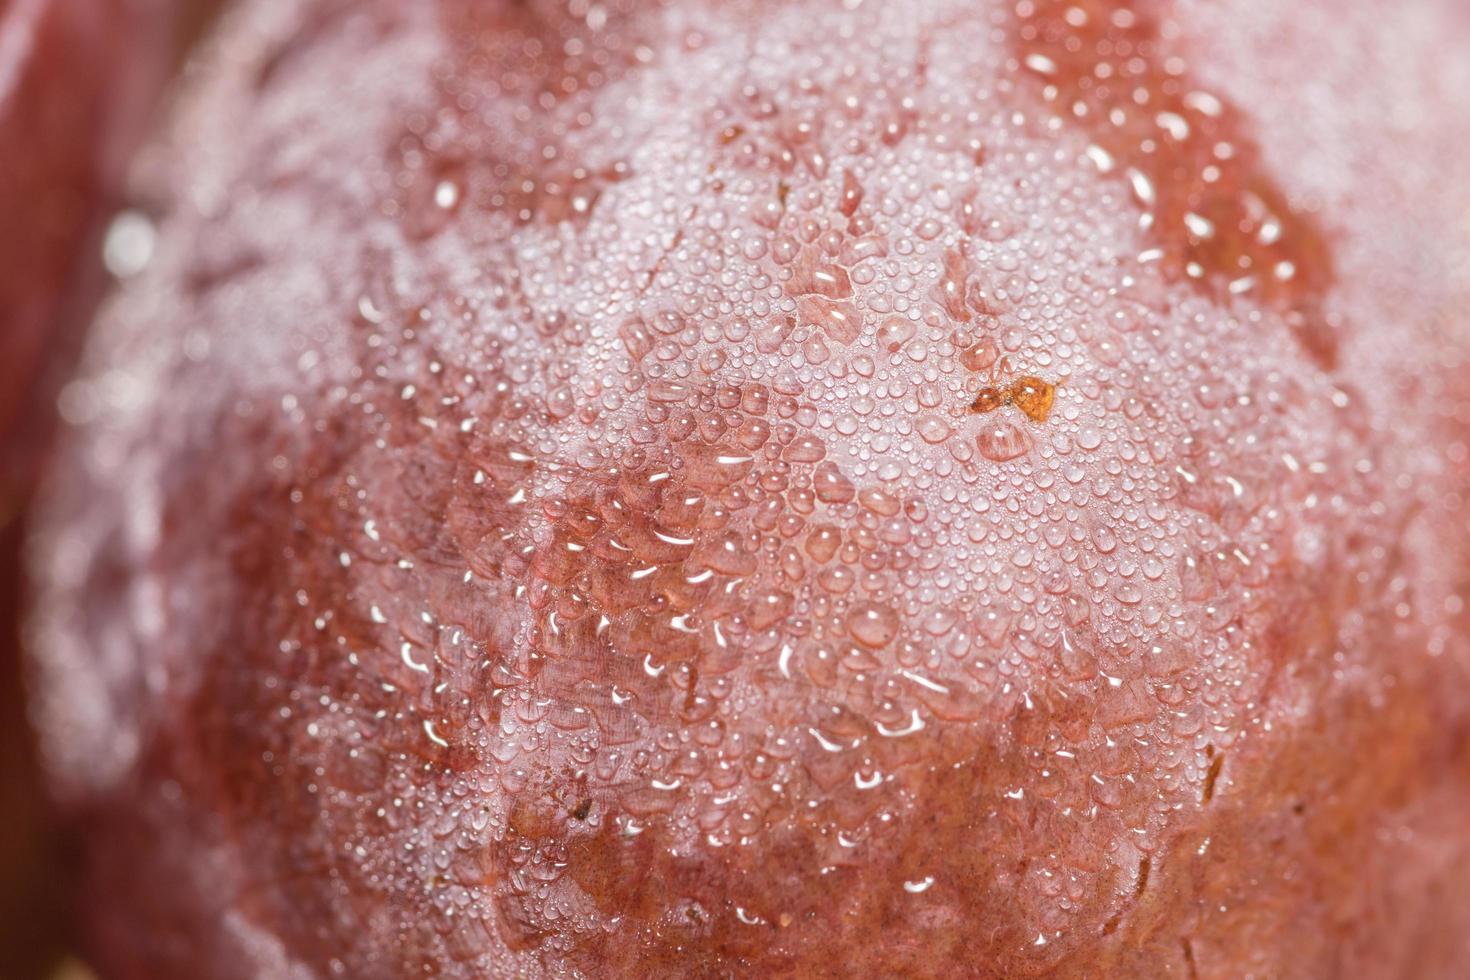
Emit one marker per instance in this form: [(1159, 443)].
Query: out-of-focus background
[(81, 83)]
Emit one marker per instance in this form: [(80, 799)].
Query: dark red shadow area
[(79, 80)]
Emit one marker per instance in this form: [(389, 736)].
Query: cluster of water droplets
[(654, 532), (720, 470)]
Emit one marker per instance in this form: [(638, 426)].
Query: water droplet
[(894, 332), (1001, 439), (872, 624)]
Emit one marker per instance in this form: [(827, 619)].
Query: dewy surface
[(530, 519)]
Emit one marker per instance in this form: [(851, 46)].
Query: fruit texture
[(529, 519)]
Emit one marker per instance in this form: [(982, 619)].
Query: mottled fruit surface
[(927, 488)]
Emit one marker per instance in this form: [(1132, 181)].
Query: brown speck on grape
[(1034, 397), (988, 400)]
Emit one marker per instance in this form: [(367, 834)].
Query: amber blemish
[(1216, 217), (1034, 397), (988, 400), (1211, 776), (1030, 394)]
